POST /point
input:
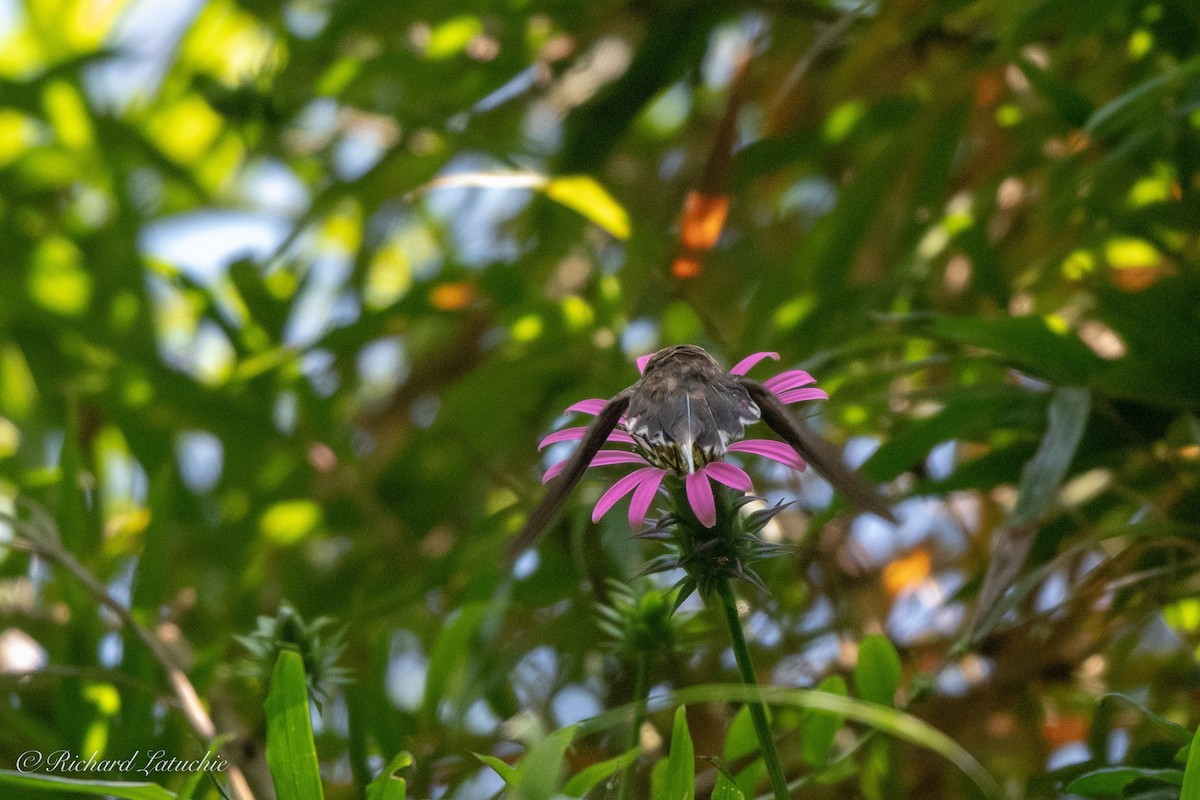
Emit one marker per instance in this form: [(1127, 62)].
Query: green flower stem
[(640, 697), (758, 712)]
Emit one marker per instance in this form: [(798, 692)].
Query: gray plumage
[(686, 410)]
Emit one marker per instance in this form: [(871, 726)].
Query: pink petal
[(575, 434), (643, 496), (700, 498), (796, 395), (743, 366), (592, 406), (729, 475), (776, 451), (792, 379), (642, 361), (620, 489), (603, 459)]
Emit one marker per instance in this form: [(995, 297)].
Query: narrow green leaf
[(506, 771), (1066, 418), (291, 753), (193, 779), (389, 786), (679, 782), (877, 673), (1112, 780), (1128, 108), (53, 783), (1018, 591), (658, 779), (1172, 729), (586, 779), (1191, 773), (821, 727)]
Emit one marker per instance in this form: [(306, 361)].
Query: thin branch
[(819, 46)]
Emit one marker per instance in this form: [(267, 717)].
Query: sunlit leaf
[(287, 522), (291, 754), (1191, 773), (589, 777), (54, 783), (389, 785), (451, 37), (585, 195), (679, 781)]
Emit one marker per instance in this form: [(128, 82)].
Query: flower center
[(672, 456)]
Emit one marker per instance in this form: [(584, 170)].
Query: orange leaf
[(1060, 730), (686, 267), (703, 220), (907, 571), (451, 296)]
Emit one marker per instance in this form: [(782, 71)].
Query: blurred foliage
[(291, 290)]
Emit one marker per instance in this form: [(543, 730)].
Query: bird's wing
[(816, 451), (560, 488)]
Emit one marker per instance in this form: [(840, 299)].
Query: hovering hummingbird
[(683, 413)]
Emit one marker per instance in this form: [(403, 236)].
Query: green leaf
[(821, 727), (539, 775), (726, 789), (960, 417), (1172, 729), (452, 648), (1112, 780), (679, 782), (1191, 773), (291, 753), (1131, 107), (741, 740), (1040, 481), (506, 771), (895, 723), (585, 195), (1043, 475), (389, 786), (1028, 342), (586, 779), (193, 779), (877, 673), (53, 783)]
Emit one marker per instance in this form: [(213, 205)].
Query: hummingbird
[(683, 413)]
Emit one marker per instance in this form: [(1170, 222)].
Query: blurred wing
[(560, 488), (816, 451)]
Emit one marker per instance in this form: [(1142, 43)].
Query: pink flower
[(645, 481)]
